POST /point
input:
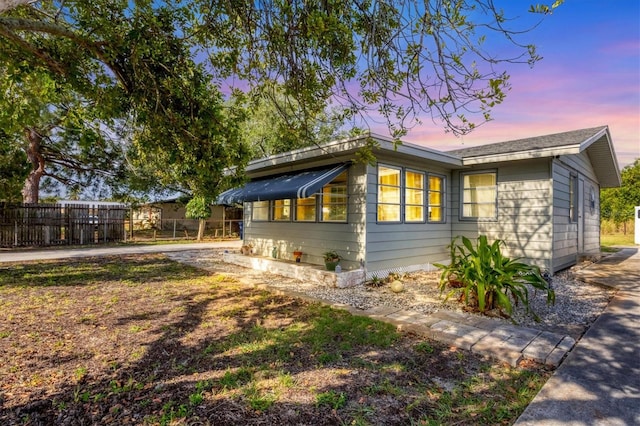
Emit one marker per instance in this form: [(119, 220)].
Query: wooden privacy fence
[(56, 224)]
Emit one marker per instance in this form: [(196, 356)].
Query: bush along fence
[(55, 224)]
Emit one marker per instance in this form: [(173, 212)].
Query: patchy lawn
[(144, 340)]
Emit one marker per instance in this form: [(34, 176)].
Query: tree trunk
[(201, 224), (31, 188)]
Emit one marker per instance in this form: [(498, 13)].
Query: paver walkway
[(506, 342)]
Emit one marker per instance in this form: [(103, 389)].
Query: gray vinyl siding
[(565, 241), (524, 210), (315, 238), (591, 219), (396, 246)]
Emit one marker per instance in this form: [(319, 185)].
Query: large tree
[(58, 132), (161, 66), (618, 204), (274, 124)]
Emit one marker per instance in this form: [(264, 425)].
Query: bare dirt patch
[(145, 340)]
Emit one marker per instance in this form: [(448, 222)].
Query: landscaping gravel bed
[(577, 304)]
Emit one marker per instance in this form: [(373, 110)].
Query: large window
[(306, 209), (436, 199), (260, 210), (334, 200), (281, 210), (414, 196), (480, 196), (388, 194), (407, 196)]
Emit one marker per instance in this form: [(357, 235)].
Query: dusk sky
[(589, 77)]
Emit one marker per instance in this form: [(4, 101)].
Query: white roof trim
[(523, 155), (340, 147)]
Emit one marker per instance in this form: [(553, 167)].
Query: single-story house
[(540, 195)]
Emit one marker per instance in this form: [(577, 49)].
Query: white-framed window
[(480, 195), (260, 211), (306, 209), (281, 210), (389, 194), (436, 199), (334, 200), (413, 196)]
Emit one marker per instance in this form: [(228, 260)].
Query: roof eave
[(609, 173), (350, 146), (522, 155)]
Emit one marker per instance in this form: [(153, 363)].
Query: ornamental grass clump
[(487, 280)]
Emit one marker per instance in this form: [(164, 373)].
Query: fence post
[(174, 228), (15, 234)]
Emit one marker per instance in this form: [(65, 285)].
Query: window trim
[(443, 198), (461, 215), (400, 190)]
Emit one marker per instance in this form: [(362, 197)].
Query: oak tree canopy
[(165, 80)]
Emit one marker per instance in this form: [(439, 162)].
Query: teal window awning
[(299, 185)]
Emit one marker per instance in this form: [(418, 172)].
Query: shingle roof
[(575, 137), (596, 142)]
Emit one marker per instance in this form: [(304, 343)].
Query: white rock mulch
[(577, 304)]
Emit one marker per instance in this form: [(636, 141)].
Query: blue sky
[(589, 77)]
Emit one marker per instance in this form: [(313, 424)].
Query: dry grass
[(144, 340)]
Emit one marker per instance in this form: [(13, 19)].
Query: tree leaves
[(159, 67)]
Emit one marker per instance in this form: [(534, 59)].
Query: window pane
[(306, 209), (435, 214), (413, 196), (435, 199), (282, 210), (486, 210), (480, 179), (388, 213), (414, 180), (470, 210), (435, 183), (414, 213), (389, 194), (388, 176), (260, 210), (334, 213), (334, 194)]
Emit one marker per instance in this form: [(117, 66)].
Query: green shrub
[(489, 280)]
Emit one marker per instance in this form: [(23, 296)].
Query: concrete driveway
[(599, 382), (62, 253)]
